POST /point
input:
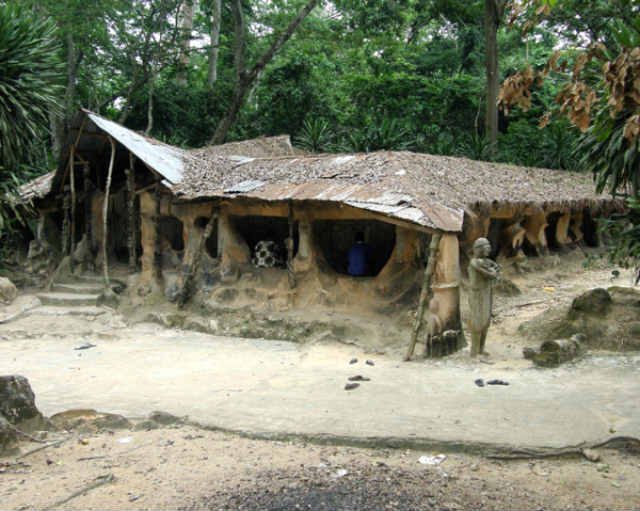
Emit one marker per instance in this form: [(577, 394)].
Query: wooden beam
[(425, 293), (105, 216)]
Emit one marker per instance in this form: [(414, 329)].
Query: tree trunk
[(216, 19), (244, 79), (56, 126), (491, 23), (186, 25), (150, 106)]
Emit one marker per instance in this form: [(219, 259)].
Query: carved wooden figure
[(483, 272)]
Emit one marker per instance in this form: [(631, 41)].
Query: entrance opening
[(336, 237), (589, 229), (255, 229), (551, 229), (171, 241), (211, 243), (494, 236)]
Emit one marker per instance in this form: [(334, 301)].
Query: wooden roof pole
[(72, 182), (105, 213), (425, 292)]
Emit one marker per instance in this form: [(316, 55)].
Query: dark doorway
[(590, 229), (266, 228), (336, 237), (211, 243), (551, 229)]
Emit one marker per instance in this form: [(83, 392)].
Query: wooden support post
[(189, 279), (290, 246), (105, 213), (72, 182), (131, 212), (65, 222), (157, 246), (425, 292), (88, 195)]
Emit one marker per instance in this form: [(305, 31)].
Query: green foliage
[(624, 232), (29, 78)]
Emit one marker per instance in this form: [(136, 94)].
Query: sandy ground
[(189, 468), (231, 382)]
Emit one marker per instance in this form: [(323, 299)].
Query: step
[(77, 288), (53, 310), (68, 298)]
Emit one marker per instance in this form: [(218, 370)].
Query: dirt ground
[(187, 467)]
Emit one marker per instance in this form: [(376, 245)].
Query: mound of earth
[(609, 320)]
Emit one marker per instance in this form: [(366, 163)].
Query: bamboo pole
[(105, 213), (72, 182), (290, 247), (187, 286), (425, 292), (131, 204)]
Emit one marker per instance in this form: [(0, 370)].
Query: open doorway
[(211, 243), (337, 237), (266, 238)]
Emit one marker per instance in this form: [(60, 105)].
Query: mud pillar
[(562, 228), (534, 226), (445, 304), (234, 251), (149, 211), (305, 258)]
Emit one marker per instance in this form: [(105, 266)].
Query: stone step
[(77, 288), (73, 299), (53, 310)]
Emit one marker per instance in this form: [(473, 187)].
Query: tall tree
[(214, 50), (246, 78), (494, 10), (186, 26)]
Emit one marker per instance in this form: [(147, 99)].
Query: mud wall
[(230, 280)]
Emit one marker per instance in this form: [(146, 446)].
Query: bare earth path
[(285, 390)]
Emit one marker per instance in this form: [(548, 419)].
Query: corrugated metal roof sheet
[(164, 159)]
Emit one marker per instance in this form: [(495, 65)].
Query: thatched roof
[(425, 182), (427, 190), (262, 147)]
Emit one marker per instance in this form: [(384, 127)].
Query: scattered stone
[(555, 352), (595, 301), (479, 382), (353, 361), (351, 386), (88, 421), (164, 418), (146, 425), (359, 377), (8, 437), (591, 455), (8, 291), (339, 473), (18, 403), (85, 346), (497, 382), (369, 363)]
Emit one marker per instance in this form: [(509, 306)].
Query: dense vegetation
[(351, 75)]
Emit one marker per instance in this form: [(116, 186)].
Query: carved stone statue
[(483, 272)]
